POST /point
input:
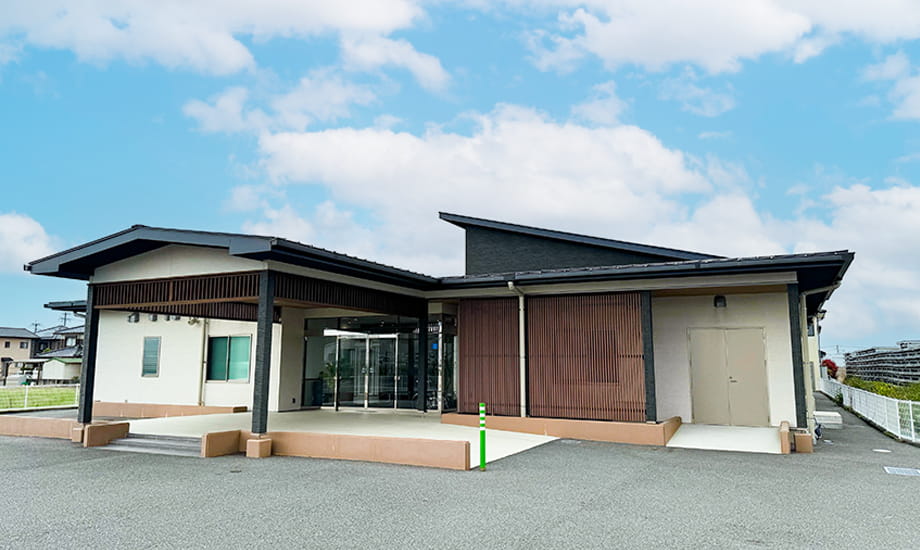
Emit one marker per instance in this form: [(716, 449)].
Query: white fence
[(36, 397), (902, 418)]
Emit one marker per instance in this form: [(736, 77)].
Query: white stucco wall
[(174, 261), (120, 348), (119, 355), (673, 317)]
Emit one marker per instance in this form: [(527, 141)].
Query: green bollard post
[(482, 436)]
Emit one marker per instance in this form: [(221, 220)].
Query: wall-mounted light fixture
[(152, 317), (719, 301), (134, 317)]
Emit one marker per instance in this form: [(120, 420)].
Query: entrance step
[(829, 419), (157, 444)]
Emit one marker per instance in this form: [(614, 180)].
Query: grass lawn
[(20, 397)]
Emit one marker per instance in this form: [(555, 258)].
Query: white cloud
[(715, 35), (723, 134), (321, 96), (608, 180), (694, 98), (893, 67), (370, 52), (618, 181), (22, 239), (905, 90), (604, 106), (201, 35)]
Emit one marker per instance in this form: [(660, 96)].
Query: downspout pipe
[(522, 343), (203, 361)]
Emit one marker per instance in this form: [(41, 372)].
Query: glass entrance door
[(381, 371), (352, 368)]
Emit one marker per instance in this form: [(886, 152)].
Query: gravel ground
[(564, 494)]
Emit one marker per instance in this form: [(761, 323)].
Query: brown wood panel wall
[(489, 362), (585, 357)]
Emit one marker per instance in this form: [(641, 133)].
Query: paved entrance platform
[(727, 438), (499, 444)]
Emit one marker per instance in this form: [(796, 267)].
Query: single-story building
[(543, 324)]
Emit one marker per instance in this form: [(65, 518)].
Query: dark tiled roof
[(12, 332), (72, 351)]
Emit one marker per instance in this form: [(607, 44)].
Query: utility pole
[(35, 326), (64, 318)]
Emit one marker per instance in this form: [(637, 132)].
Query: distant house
[(16, 345)]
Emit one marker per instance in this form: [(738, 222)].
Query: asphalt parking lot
[(565, 494)]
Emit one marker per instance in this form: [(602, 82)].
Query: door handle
[(732, 380)]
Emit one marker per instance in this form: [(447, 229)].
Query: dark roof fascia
[(295, 253), (668, 253), (793, 262), (73, 306), (245, 246)]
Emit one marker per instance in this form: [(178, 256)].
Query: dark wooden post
[(265, 316), (88, 368), (648, 357), (798, 362)]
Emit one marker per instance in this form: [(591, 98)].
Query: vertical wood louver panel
[(585, 357), (489, 368)]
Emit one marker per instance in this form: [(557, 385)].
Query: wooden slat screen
[(489, 361), (585, 357)]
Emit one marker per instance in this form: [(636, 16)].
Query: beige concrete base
[(785, 443), (157, 410), (803, 442), (76, 434), (258, 448), (638, 433), (97, 435), (28, 426), (433, 453), (220, 443)]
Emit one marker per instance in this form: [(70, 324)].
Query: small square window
[(6, 344), (24, 344)]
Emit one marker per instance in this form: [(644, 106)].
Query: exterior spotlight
[(719, 301), (133, 317)]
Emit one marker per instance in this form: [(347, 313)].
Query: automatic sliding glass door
[(381, 372)]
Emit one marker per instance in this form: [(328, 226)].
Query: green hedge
[(907, 393)]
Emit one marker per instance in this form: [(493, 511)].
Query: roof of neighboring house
[(48, 333), (12, 332), (68, 360), (70, 330), (72, 351), (626, 246)]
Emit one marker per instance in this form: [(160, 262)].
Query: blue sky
[(749, 128)]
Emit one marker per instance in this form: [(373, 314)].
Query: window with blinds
[(151, 360)]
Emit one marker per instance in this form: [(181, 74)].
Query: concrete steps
[(157, 444)]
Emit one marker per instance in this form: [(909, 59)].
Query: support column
[(422, 380), (88, 369), (522, 350), (648, 356), (798, 363), (264, 320)]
